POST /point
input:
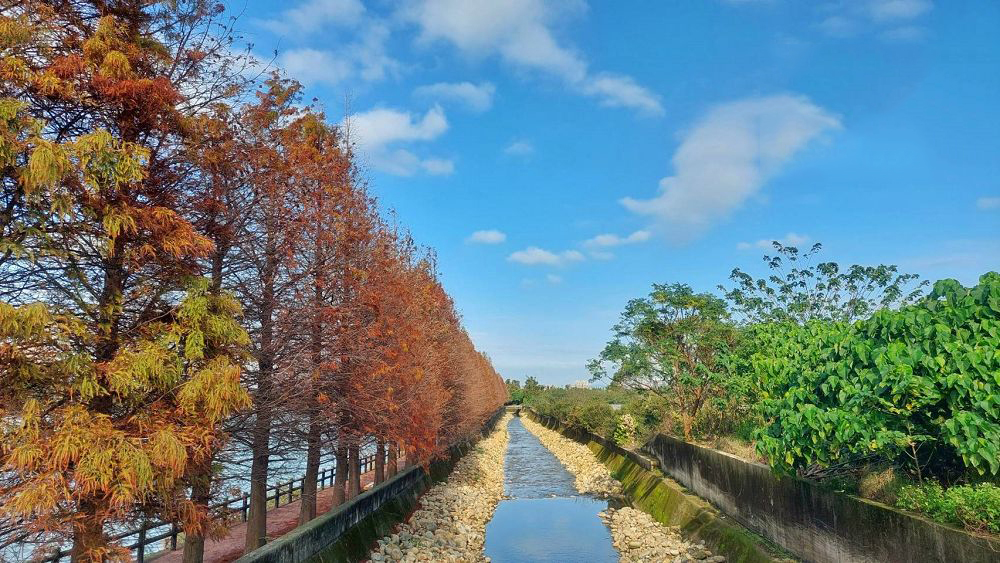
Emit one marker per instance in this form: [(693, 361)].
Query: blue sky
[(562, 156)]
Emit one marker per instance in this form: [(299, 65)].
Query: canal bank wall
[(815, 523), (666, 500), (799, 516), (346, 532)]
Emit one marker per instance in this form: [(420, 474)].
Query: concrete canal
[(542, 517)]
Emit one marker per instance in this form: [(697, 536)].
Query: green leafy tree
[(670, 343), (798, 290), (531, 388), (919, 386), (514, 391)]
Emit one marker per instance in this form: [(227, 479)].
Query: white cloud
[(313, 15), (892, 19), (381, 126), (312, 66), (533, 255), (791, 239), (622, 91), (363, 61), (728, 156), (477, 97), (988, 203), (601, 255), (519, 32), (490, 236), (610, 240), (377, 130), (553, 279), (886, 10), (520, 148), (401, 162), (438, 166), (839, 26)]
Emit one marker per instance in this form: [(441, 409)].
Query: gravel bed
[(450, 523), (591, 476)]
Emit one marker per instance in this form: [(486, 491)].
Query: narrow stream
[(544, 519)]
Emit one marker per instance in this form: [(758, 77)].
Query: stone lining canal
[(542, 517)]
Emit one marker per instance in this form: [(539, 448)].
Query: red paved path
[(280, 521)]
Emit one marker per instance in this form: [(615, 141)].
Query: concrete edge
[(345, 532), (668, 501)]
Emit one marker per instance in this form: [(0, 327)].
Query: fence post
[(173, 536), (291, 490), (140, 546), (246, 505)]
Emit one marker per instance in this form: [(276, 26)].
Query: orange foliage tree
[(131, 167), (110, 398)]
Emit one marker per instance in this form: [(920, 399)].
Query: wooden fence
[(147, 534)]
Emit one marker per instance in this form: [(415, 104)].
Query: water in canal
[(544, 518)]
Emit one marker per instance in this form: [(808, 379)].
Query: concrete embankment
[(592, 478), (790, 514), (450, 523), (636, 535), (347, 532), (675, 510)]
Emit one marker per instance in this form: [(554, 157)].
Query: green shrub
[(977, 507), (882, 486), (595, 417), (648, 410), (625, 431), (919, 387)]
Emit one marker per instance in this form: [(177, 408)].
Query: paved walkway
[(280, 521)]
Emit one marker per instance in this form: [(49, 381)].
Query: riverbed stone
[(590, 475), (636, 535), (449, 523)]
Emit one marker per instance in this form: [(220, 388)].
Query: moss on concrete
[(670, 505), (356, 543)]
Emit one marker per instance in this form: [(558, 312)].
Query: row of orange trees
[(191, 268)]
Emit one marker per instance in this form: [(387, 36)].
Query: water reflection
[(551, 529), (530, 469), (544, 518)]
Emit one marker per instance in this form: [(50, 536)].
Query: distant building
[(579, 384)]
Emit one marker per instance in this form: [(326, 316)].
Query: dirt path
[(280, 521)]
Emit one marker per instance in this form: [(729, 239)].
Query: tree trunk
[(256, 534), (686, 422), (340, 474), (307, 510), (392, 465), (379, 461), (201, 495), (354, 476), (201, 481), (88, 534)]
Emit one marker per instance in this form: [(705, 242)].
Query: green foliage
[(531, 386), (649, 412), (920, 386), (515, 395), (820, 291), (585, 408), (670, 343), (625, 430), (977, 507)]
